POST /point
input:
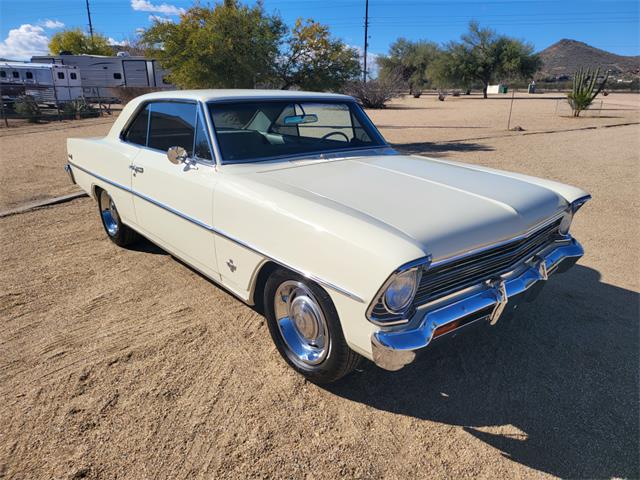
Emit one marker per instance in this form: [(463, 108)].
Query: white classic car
[(295, 203)]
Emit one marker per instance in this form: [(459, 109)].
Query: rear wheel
[(305, 328), (118, 232)]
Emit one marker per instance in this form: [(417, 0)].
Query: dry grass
[(126, 363)]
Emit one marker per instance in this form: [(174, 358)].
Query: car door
[(174, 203)]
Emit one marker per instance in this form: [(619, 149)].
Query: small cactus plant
[(27, 106), (584, 89), (78, 108)]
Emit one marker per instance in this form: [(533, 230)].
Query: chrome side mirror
[(177, 155)]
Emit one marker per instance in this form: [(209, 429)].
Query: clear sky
[(26, 25)]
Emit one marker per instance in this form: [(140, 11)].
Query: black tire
[(339, 361), (117, 231)]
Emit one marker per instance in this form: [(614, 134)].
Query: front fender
[(350, 255)]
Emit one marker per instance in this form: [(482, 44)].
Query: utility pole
[(366, 39), (90, 24)]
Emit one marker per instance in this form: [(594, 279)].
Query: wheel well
[(95, 191), (261, 280)]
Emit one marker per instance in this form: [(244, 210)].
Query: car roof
[(240, 94)]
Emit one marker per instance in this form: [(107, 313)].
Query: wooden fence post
[(513, 93)]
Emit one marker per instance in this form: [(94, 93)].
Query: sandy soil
[(125, 363), (33, 155)]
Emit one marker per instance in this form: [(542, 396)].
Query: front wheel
[(117, 231), (305, 328)]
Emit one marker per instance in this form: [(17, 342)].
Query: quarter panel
[(109, 160)]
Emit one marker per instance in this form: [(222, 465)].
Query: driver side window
[(172, 124)]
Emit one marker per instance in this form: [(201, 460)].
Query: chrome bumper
[(396, 347), (67, 168)]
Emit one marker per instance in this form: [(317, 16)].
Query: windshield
[(254, 131)]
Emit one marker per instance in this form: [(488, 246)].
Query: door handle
[(136, 169)]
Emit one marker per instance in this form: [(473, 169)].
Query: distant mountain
[(564, 57)]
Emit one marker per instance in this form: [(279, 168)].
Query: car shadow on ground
[(146, 246), (441, 148), (560, 378)]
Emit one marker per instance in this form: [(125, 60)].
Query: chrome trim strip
[(527, 234), (576, 204), (391, 346), (225, 235)]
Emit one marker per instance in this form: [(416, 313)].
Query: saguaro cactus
[(584, 89)]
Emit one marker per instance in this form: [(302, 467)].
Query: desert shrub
[(416, 93), (79, 108), (126, 94), (375, 93), (27, 106), (584, 89)]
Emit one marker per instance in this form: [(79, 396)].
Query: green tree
[(484, 56), (312, 60), (229, 45), (410, 60), (77, 42)]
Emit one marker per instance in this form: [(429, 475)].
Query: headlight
[(401, 290), (565, 224)]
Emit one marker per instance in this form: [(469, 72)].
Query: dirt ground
[(125, 363)]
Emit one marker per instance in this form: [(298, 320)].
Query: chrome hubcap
[(109, 214), (301, 323)]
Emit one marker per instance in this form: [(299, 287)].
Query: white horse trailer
[(48, 84), (100, 74)]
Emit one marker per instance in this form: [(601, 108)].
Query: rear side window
[(60, 75), (172, 124), (73, 76), (29, 75), (15, 74), (137, 131), (3, 74)]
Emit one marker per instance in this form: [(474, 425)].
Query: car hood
[(446, 208)]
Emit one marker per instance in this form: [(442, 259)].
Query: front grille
[(449, 277)]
